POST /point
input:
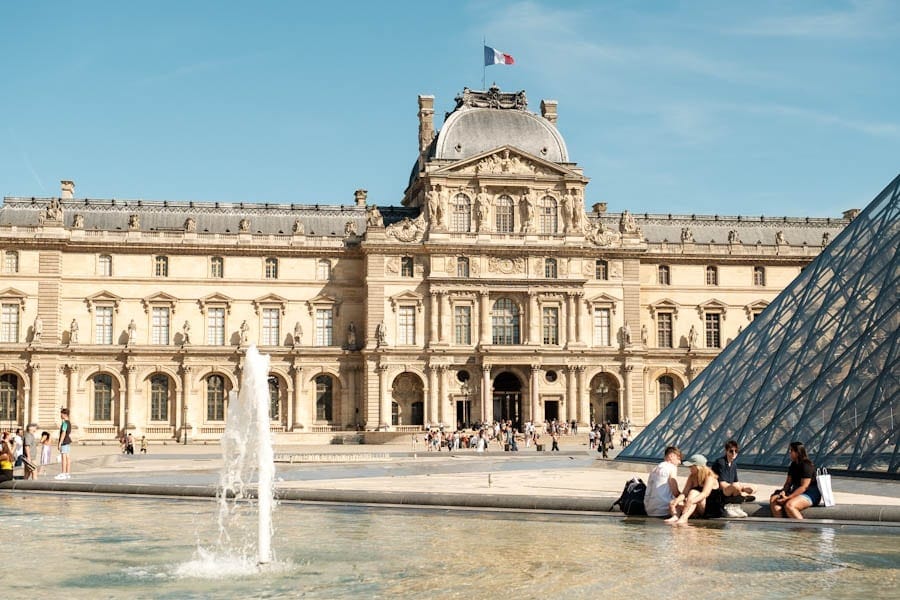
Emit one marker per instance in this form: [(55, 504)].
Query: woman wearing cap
[(800, 490), (699, 485)]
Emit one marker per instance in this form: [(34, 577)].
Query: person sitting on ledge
[(731, 490), (662, 486), (800, 490), (699, 485)]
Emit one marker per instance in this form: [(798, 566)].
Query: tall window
[(505, 215), (461, 214), (664, 330), (274, 399), (215, 398), (11, 262), (462, 267), (663, 277), (324, 402), (406, 325), (712, 275), (601, 270), (601, 327), (550, 323), (407, 266), (217, 267), (160, 330), (323, 270), (159, 398), (759, 276), (550, 270), (462, 319), (271, 327), (9, 323), (666, 391), (271, 268), (547, 215), (161, 266), (505, 322), (103, 397), (215, 326), (104, 265), (9, 397), (713, 334), (324, 327), (103, 325)]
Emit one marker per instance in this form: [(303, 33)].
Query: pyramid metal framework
[(819, 365)]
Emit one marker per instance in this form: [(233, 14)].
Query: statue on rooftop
[(190, 225), (373, 217), (298, 227)]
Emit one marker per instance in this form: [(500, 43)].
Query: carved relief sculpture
[(687, 235), (134, 222), (506, 265), (407, 230), (244, 225), (350, 229), (601, 236), (78, 221), (825, 238), (298, 228), (190, 225), (627, 223), (779, 238), (733, 237)]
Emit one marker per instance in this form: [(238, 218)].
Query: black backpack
[(632, 499)]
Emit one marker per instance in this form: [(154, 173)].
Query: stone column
[(571, 395), (72, 371), (348, 416), (31, 391), (536, 417), (298, 414), (485, 391), (627, 406), (384, 399), (533, 321), (570, 321), (584, 400), (434, 311), (484, 318), (431, 415), (579, 307), (182, 422), (129, 397), (442, 394), (445, 328)]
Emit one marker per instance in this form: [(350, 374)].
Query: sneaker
[(60, 476), (734, 511)]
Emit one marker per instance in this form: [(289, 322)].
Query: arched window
[(274, 400), (462, 267), (712, 275), (666, 391), (215, 398), (102, 397), (505, 321), (550, 270), (159, 398), (324, 394), (503, 208), (548, 215), (9, 397), (461, 214)]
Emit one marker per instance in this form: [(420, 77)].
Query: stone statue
[(577, 209), (186, 334), (244, 225), (298, 227), (298, 334), (693, 338), (73, 332), (380, 335), (434, 201), (627, 223), (54, 211), (626, 334), (481, 211), (350, 229), (779, 238), (527, 212), (733, 237), (374, 218), (687, 235), (565, 209), (644, 335), (78, 221), (190, 225), (134, 222), (351, 336), (245, 332), (132, 332), (37, 330), (825, 238)]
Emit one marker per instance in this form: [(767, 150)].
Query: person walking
[(46, 451), (29, 451), (64, 445)]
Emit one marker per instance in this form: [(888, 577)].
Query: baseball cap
[(695, 459)]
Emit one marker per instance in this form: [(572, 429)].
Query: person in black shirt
[(800, 490), (725, 468)]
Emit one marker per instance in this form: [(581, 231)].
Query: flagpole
[(483, 66)]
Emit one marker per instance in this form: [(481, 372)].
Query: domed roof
[(486, 120)]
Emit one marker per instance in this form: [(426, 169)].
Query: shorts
[(813, 496), (64, 449)]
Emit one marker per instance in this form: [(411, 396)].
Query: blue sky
[(776, 108)]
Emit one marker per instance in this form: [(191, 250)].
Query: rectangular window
[(271, 268), (462, 267), (217, 267), (160, 326), (406, 325), (323, 270), (103, 325), (601, 270), (406, 266), (664, 330), (551, 325), (161, 266), (324, 327), (215, 327), (271, 329), (11, 262), (601, 327), (105, 265), (663, 275), (9, 324), (712, 276), (713, 336), (759, 276), (462, 318)]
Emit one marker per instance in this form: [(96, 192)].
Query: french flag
[(492, 56)]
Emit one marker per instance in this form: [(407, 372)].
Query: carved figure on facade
[(190, 225), (134, 222), (37, 330), (492, 98), (132, 333), (298, 228), (78, 221), (779, 238), (527, 207), (687, 235), (73, 332), (244, 225), (644, 335), (380, 335), (600, 235), (245, 333), (506, 265), (298, 334), (407, 230), (627, 223), (186, 334), (576, 206), (826, 237), (350, 229), (53, 212), (351, 336), (481, 211), (733, 237), (693, 338), (626, 334), (434, 208)]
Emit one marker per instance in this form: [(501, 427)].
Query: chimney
[(851, 214), (68, 189), (360, 197), (426, 121), (548, 110)]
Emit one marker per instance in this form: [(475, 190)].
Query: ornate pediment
[(755, 307), (12, 294), (323, 301), (603, 301), (664, 305), (215, 299), (157, 299), (406, 297), (103, 297), (712, 306), (270, 300), (505, 160)]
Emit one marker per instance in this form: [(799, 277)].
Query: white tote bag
[(823, 480)]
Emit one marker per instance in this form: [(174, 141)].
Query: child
[(45, 451)]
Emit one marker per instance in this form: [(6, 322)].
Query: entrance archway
[(604, 399), (408, 393), (508, 399)]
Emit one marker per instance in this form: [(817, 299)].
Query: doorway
[(508, 399)]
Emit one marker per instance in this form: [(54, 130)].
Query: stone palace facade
[(490, 293)]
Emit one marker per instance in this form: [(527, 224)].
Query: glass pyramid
[(819, 365)]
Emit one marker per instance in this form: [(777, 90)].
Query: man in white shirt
[(662, 487)]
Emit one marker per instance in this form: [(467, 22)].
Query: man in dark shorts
[(731, 490)]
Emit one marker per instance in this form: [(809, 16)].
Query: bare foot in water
[(671, 520)]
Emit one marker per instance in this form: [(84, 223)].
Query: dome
[(486, 120)]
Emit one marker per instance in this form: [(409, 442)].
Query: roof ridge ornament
[(492, 98)]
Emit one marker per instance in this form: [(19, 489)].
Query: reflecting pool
[(99, 547)]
